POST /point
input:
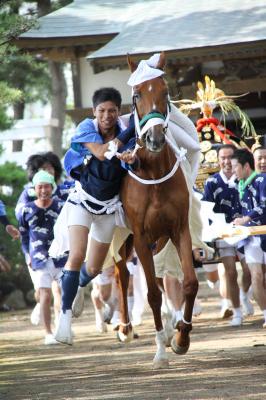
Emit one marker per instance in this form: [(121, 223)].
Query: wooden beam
[(229, 87)]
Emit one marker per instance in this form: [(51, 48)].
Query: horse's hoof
[(125, 338), (178, 349), (161, 364)]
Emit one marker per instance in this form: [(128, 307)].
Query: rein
[(156, 181)]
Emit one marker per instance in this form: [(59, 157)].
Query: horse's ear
[(131, 64), (161, 63)]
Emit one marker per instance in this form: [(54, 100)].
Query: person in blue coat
[(95, 203), (252, 194), (36, 222), (221, 189)]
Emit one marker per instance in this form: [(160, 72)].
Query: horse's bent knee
[(191, 287)]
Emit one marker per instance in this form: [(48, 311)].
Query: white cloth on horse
[(145, 71), (185, 135)]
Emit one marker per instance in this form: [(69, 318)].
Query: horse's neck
[(156, 165)]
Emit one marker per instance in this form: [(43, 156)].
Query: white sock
[(179, 315), (243, 295), (116, 317), (226, 303), (98, 315), (130, 304), (264, 314), (237, 312)]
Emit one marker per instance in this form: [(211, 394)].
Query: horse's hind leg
[(125, 332), (155, 301), (180, 343)]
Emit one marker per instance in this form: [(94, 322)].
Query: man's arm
[(10, 229)]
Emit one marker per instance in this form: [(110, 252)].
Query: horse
[(155, 199)]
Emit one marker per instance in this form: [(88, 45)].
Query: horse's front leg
[(125, 331), (180, 343), (155, 300)]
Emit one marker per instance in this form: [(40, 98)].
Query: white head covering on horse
[(145, 71)]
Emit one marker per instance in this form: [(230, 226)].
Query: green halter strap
[(146, 117)]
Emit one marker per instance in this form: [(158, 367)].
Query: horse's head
[(151, 105)]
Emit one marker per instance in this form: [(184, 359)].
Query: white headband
[(146, 70)]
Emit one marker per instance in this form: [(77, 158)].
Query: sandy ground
[(222, 363)]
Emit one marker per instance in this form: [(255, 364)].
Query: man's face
[(224, 159), (238, 169), (260, 160), (43, 191), (106, 114)]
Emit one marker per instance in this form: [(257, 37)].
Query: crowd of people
[(84, 210)]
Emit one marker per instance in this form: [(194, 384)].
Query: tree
[(34, 78)]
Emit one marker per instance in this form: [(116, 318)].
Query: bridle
[(151, 119), (142, 126)]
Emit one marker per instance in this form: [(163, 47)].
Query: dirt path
[(222, 363)]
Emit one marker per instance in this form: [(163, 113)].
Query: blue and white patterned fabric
[(36, 229), (253, 204), (253, 201), (28, 194), (100, 179), (223, 192)]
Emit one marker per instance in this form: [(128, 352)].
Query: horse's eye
[(136, 96)]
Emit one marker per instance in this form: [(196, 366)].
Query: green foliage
[(13, 175), (23, 78)]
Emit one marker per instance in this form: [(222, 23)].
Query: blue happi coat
[(223, 192), (36, 229), (100, 179), (253, 203)]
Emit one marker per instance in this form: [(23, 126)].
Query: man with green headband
[(252, 194), (36, 228)]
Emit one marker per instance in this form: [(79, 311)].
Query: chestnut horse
[(156, 202)]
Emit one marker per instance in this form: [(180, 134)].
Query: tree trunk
[(59, 92), (18, 110), (58, 103)]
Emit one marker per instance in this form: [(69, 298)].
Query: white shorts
[(101, 226), (226, 250), (43, 278), (253, 252), (105, 277)]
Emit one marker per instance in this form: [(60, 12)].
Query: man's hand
[(13, 232), (241, 220), (127, 156)]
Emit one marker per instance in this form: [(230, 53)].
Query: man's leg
[(78, 236), (233, 288), (258, 286), (174, 292), (246, 283), (45, 305)]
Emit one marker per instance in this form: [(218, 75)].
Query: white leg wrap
[(161, 359)]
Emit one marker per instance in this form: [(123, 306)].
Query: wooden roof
[(191, 28), (109, 29)]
